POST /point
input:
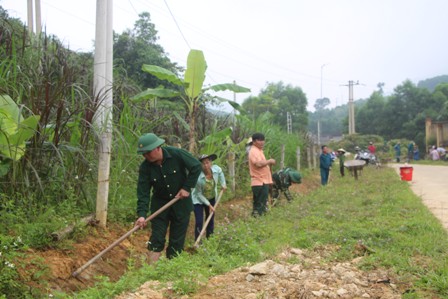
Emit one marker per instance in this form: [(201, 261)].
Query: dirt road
[(431, 184)]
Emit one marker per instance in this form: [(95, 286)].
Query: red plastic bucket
[(406, 173)]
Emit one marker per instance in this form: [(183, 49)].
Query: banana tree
[(15, 130), (191, 87)]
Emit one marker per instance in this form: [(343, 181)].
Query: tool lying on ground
[(152, 216), (196, 244)]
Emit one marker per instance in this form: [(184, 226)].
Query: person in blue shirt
[(416, 153), (205, 193), (397, 149), (410, 151), (325, 165)]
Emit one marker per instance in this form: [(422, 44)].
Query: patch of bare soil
[(52, 269), (295, 273)]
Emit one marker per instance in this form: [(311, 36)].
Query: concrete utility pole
[(351, 108), (38, 18), (30, 16), (318, 116), (102, 91)]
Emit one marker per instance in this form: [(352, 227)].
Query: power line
[(249, 54), (133, 7), (222, 52), (178, 27), (70, 14)]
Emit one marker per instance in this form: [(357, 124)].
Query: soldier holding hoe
[(282, 180), (166, 173)]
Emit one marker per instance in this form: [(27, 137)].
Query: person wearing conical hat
[(341, 156), (167, 172), (205, 194), (282, 180)]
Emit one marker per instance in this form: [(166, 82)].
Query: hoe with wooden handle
[(152, 216), (196, 244)]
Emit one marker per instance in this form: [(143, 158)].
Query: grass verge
[(378, 210)]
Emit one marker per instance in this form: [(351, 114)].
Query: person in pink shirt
[(260, 175)]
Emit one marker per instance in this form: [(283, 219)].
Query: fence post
[(282, 157), (308, 156), (231, 165), (298, 158), (314, 156)]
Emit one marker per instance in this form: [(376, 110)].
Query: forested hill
[(401, 114), (431, 83)]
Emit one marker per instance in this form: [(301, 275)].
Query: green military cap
[(295, 176), (148, 142)]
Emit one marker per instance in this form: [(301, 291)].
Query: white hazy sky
[(318, 45)]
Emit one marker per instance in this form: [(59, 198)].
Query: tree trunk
[(192, 133)]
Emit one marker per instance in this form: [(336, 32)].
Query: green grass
[(430, 162), (378, 209)]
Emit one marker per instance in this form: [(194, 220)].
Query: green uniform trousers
[(178, 225)]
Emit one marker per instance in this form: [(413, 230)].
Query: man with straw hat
[(341, 156), (166, 173)]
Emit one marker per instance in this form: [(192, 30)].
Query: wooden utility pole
[(102, 91), (231, 166), (308, 157)]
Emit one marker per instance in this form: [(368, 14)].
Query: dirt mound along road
[(295, 273)]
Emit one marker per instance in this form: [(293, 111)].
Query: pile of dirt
[(308, 277), (57, 265)]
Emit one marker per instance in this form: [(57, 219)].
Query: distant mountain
[(431, 83), (219, 112)]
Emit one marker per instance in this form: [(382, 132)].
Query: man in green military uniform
[(168, 172), (282, 180)]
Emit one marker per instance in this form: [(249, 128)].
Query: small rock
[(296, 251), (341, 292), (319, 293), (261, 268)]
